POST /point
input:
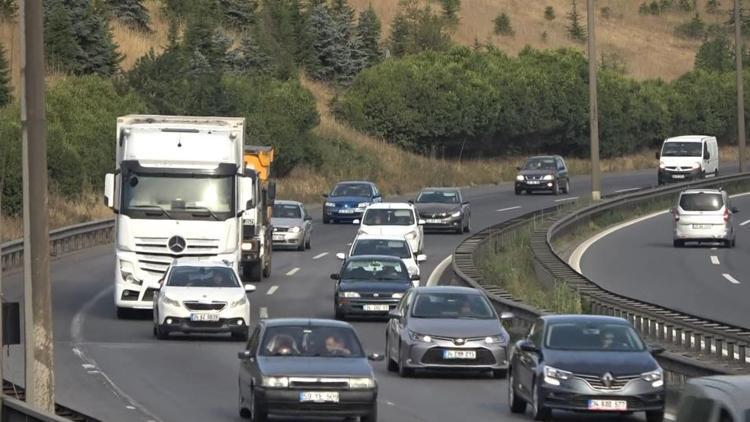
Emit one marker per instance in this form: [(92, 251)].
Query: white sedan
[(395, 219)]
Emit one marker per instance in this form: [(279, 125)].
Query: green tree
[(5, 96), (576, 30), (718, 54), (712, 6), (8, 10), (61, 45), (238, 14), (502, 25), (416, 29), (549, 13), (694, 29), (132, 13), (249, 57), (450, 10), (368, 31)]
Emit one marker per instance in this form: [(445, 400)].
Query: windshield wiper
[(208, 210), (155, 207)]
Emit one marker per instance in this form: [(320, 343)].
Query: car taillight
[(726, 215)]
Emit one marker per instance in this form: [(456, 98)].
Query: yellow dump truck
[(257, 231)]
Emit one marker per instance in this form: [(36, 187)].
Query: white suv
[(394, 218), (704, 215), (376, 244), (203, 297)]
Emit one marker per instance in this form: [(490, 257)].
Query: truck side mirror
[(247, 201), (109, 190), (271, 191)]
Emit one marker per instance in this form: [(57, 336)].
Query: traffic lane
[(639, 261)]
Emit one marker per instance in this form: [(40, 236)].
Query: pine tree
[(398, 41), (450, 10), (8, 10), (249, 57), (60, 43), (576, 31), (368, 31), (238, 14), (132, 13), (5, 96), (323, 35)]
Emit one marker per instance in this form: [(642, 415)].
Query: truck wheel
[(267, 268), (123, 313), (251, 272)]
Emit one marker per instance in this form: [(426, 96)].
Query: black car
[(306, 368), (370, 285), (543, 173), (348, 201), (585, 363), (721, 398), (444, 209)]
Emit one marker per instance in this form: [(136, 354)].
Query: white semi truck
[(186, 187)]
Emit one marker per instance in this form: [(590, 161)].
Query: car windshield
[(438, 197), (593, 336), (183, 197), (352, 189), (452, 306), (540, 163), (311, 340), (682, 149), (389, 217), (195, 276), (375, 270), (287, 211), (701, 201), (398, 248)]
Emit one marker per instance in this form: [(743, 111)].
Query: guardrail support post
[(708, 344), (730, 350), (742, 352), (720, 347)]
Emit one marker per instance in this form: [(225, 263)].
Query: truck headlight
[(275, 382), (553, 376), (239, 302), (166, 300), (350, 294), (247, 246), (656, 378), (361, 383), (127, 272), (330, 204), (662, 165), (520, 178), (695, 166), (548, 177)]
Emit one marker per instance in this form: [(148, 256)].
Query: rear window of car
[(701, 201)]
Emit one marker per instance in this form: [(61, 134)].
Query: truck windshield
[(178, 197), (682, 149)]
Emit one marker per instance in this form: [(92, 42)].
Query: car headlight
[(350, 294), (127, 271), (656, 378), (662, 165), (361, 383), (247, 246), (456, 214), (239, 302), (397, 295), (411, 235), (363, 204), (498, 339), (166, 300), (275, 382), (548, 177), (294, 229), (420, 337), (330, 204), (553, 376), (520, 178), (695, 166)]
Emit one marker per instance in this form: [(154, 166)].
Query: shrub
[(695, 29), (549, 13), (502, 25), (576, 30)]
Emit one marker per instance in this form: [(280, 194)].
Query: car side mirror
[(245, 354), (414, 277), (656, 349), (421, 222), (421, 258), (335, 276), (355, 222), (341, 256), (395, 314), (249, 288), (735, 210), (308, 218), (465, 203), (324, 195), (109, 190), (528, 346), (518, 168), (658, 155), (377, 357), (506, 315)]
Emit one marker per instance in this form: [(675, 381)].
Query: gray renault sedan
[(446, 327), (306, 368)]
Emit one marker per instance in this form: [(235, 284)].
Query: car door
[(528, 361), (306, 221), (562, 170), (465, 206), (248, 367), (395, 326), (376, 197)]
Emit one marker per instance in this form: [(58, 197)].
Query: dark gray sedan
[(445, 328), (306, 368), (585, 363), (444, 209)]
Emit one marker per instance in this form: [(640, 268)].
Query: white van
[(688, 158)]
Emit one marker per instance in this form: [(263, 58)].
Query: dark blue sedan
[(348, 200)]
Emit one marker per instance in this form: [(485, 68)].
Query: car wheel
[(734, 242), (259, 414), (654, 416), (556, 190), (678, 243), (309, 242), (403, 371), (517, 404), (372, 415), (460, 228), (518, 191), (499, 373), (567, 186), (123, 313), (528, 191), (267, 267), (301, 246), (251, 272), (539, 412), (244, 411), (467, 229), (390, 363), (239, 335), (326, 220), (337, 314), (160, 333)]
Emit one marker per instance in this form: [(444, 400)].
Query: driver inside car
[(334, 346)]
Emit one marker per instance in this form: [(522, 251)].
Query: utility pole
[(38, 343), (738, 52), (596, 175)]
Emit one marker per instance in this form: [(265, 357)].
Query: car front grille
[(196, 306), (280, 229), (434, 356), (596, 382), (319, 383)]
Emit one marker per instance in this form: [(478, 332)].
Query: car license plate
[(459, 354), (346, 211), (701, 226), (204, 317), (277, 238), (532, 182), (608, 405), (375, 308), (433, 221), (678, 176), (319, 396)]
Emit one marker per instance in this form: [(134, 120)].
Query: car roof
[(315, 322), (447, 289), (736, 387), (365, 236), (440, 189), (368, 257), (355, 182), (585, 318), (198, 262), (543, 156), (391, 205), (689, 191), (287, 202), (687, 138)]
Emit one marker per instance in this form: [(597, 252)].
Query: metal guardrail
[(700, 346), (62, 241)]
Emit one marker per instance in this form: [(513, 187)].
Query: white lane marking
[(575, 257), (509, 208), (437, 273), (730, 279), (744, 223), (715, 260), (130, 407), (320, 255), (714, 248), (293, 271), (263, 313), (572, 198), (76, 334), (626, 190), (272, 290)]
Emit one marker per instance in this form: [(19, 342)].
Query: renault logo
[(607, 380), (176, 244), (460, 341), (376, 295)]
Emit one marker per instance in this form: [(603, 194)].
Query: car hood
[(386, 287), (204, 294), (286, 222), (314, 366), (436, 208), (598, 363), (456, 327), (680, 161), (348, 199), (536, 172)]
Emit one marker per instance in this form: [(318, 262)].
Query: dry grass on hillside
[(646, 43), (134, 44)]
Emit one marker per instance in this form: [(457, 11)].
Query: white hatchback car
[(395, 219), (704, 215), (202, 297), (376, 244)]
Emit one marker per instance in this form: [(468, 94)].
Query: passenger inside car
[(282, 345)]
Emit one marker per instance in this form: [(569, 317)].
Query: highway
[(708, 281), (116, 370)]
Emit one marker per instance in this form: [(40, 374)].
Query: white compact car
[(202, 297), (376, 244), (395, 219), (704, 215)]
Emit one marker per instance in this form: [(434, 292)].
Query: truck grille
[(196, 306), (154, 257)]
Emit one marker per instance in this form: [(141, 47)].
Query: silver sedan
[(292, 225), (444, 328)]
